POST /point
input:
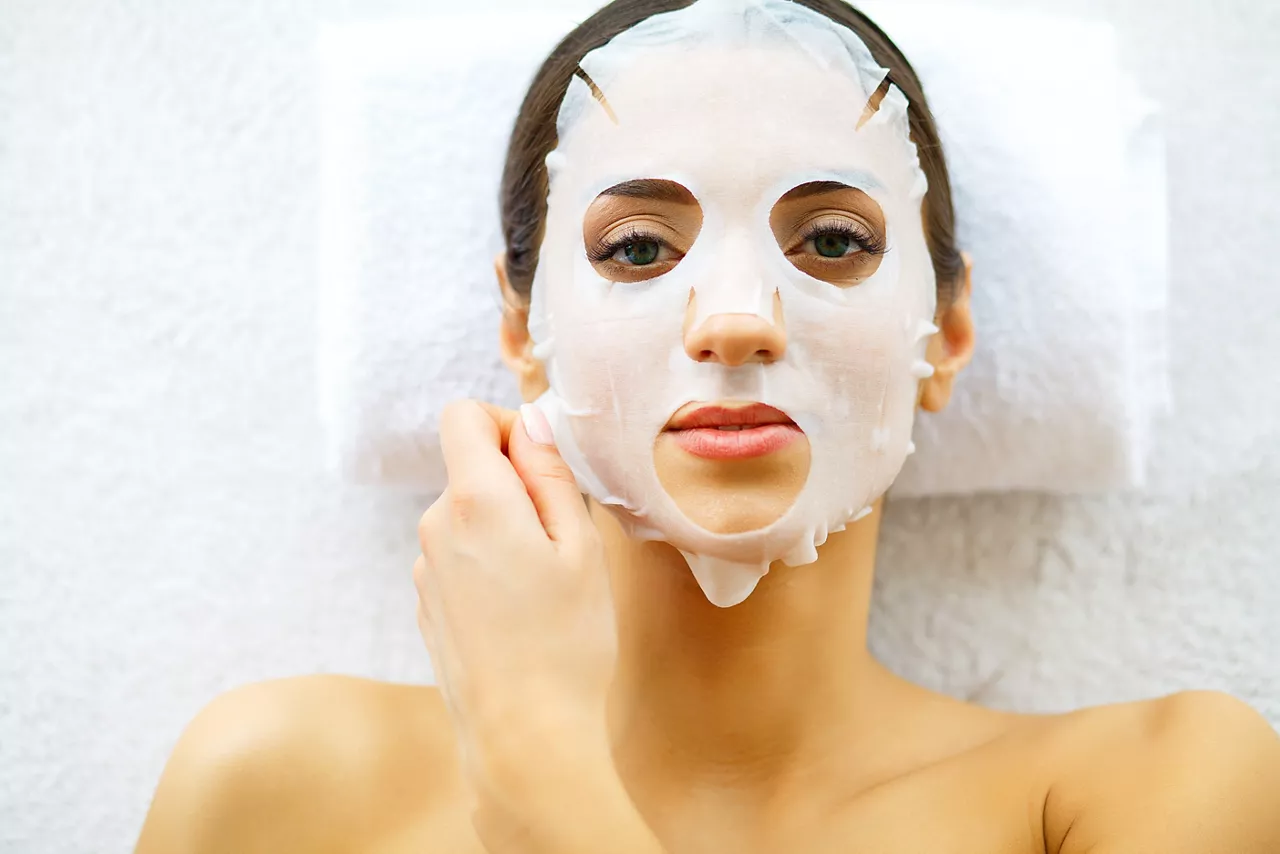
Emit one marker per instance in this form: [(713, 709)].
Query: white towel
[(1058, 178)]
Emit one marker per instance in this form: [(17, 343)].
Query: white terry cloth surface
[(1058, 176), (167, 532)]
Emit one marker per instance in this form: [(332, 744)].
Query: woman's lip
[(715, 444), (754, 415)]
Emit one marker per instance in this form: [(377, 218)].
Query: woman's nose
[(736, 339)]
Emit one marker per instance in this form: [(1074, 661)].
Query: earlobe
[(952, 348)]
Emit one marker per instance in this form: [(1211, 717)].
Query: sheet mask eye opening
[(640, 229), (831, 231)]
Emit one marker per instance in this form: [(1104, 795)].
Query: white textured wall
[(165, 530)]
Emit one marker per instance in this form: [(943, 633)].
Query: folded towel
[(1059, 187)]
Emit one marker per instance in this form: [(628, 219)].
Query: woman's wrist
[(523, 744), (548, 752)]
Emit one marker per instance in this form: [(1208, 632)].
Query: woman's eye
[(835, 245), (632, 256), (640, 253)]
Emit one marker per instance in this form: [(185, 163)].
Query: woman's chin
[(734, 518), (732, 496)]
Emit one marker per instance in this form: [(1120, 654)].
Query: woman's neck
[(763, 691)]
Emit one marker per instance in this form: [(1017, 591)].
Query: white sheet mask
[(739, 101)]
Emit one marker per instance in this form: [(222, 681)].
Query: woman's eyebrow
[(838, 181), (816, 188), (651, 188)]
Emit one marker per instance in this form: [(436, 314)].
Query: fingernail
[(535, 424)]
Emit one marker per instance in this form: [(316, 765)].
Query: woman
[(645, 671)]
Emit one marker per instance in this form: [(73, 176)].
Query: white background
[(166, 531)]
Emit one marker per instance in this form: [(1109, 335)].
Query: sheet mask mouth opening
[(732, 466)]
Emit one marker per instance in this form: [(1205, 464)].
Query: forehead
[(731, 119)]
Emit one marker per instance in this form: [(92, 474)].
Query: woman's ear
[(952, 348), (513, 337)]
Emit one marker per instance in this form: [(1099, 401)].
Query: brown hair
[(524, 179)]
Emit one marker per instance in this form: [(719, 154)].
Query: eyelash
[(602, 251), (871, 244)]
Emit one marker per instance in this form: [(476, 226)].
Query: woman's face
[(733, 298)]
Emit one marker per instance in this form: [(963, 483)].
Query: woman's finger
[(547, 478), (505, 419), (483, 486)]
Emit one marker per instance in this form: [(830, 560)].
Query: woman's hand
[(515, 609)]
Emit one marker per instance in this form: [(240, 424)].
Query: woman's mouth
[(732, 432)]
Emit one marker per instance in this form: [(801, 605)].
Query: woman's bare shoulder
[(302, 764), (1189, 772)]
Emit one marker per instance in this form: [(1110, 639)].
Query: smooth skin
[(592, 700)]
